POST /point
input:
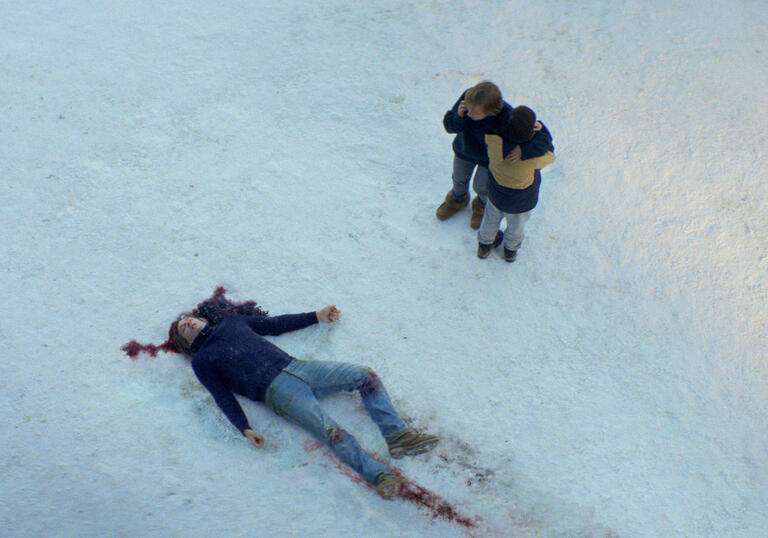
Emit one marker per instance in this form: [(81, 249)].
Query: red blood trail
[(425, 500), (133, 348)]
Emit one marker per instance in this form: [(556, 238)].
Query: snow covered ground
[(612, 381)]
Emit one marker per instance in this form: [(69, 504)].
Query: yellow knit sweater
[(513, 175)]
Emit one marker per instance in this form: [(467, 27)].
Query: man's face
[(189, 327), (476, 112)]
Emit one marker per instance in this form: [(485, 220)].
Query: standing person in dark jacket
[(513, 185), (477, 112), (234, 357)]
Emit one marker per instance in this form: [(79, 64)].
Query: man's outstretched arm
[(276, 325), (221, 394)]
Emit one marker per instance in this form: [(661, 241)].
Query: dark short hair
[(517, 126)]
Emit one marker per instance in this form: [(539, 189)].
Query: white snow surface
[(611, 382)]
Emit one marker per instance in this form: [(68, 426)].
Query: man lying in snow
[(233, 357)]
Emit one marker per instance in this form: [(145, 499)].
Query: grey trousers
[(513, 235), (462, 173)]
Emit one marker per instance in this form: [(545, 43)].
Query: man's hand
[(463, 110), (329, 314), (514, 155), (255, 439)]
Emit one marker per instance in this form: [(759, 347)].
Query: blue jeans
[(513, 235), (294, 393), (462, 173)]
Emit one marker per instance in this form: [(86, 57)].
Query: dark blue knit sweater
[(234, 357)]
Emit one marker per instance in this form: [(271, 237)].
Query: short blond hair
[(485, 95)]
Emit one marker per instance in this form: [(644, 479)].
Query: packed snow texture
[(612, 381)]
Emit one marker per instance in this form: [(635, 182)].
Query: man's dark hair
[(218, 307), (517, 126), (213, 310)]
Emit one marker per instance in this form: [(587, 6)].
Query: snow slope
[(612, 381)]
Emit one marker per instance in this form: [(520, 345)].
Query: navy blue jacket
[(469, 143), (514, 200), (233, 357)]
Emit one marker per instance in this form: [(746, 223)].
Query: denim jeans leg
[(490, 225), (480, 183), (462, 173), (327, 377), (513, 236), (291, 398)]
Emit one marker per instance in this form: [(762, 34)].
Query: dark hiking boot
[(484, 250), (389, 485), (478, 210), (411, 443), (509, 255), (451, 206)]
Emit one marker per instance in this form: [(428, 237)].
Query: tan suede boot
[(478, 210), (411, 443), (389, 485), (450, 206)]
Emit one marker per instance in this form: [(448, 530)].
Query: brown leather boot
[(451, 206), (478, 210)]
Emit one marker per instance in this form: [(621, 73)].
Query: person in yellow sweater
[(513, 186)]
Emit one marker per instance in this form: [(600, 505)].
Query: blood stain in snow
[(425, 500)]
